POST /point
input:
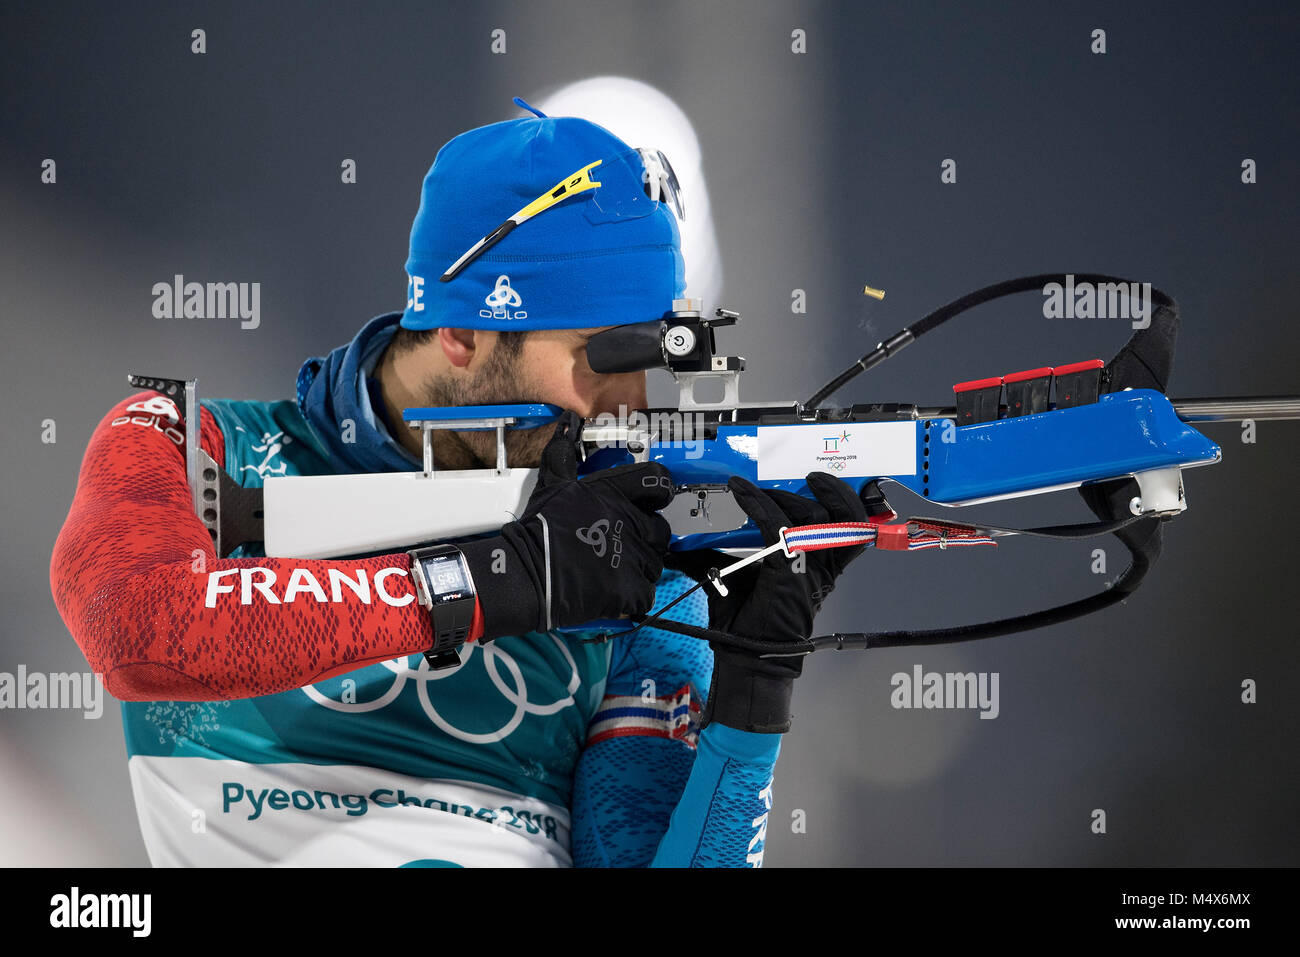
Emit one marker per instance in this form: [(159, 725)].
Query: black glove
[(594, 547), (771, 601)]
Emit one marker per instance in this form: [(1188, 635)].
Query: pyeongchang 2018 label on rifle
[(842, 449)]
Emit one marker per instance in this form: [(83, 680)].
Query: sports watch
[(444, 586)]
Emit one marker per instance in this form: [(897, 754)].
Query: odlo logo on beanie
[(500, 298)]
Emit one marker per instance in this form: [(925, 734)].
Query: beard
[(501, 381)]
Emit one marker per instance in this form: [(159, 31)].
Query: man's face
[(556, 360), (551, 367)]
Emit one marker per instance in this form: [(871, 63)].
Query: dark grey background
[(823, 170)]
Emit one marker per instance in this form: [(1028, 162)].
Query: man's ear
[(458, 345)]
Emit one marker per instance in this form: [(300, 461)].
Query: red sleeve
[(138, 583)]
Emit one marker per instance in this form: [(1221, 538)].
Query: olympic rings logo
[(494, 658)]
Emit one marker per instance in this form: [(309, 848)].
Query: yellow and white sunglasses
[(615, 198)]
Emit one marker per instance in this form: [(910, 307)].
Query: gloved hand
[(771, 601), (582, 550)]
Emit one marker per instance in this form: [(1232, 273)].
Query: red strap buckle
[(892, 538)]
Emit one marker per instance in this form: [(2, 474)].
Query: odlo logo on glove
[(594, 535)]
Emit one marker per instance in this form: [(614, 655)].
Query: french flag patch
[(676, 716)]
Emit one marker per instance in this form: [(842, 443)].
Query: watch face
[(445, 575)]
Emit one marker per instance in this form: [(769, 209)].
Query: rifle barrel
[(1192, 410), (1234, 410)]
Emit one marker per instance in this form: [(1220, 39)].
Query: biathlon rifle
[(1105, 428)]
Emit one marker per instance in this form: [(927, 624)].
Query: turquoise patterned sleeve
[(721, 817)]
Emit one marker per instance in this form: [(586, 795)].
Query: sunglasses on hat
[(632, 184)]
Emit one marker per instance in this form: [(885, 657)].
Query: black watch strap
[(445, 586)]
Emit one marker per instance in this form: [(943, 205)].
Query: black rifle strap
[(1141, 536)]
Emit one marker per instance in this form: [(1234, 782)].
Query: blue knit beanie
[(602, 257)]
